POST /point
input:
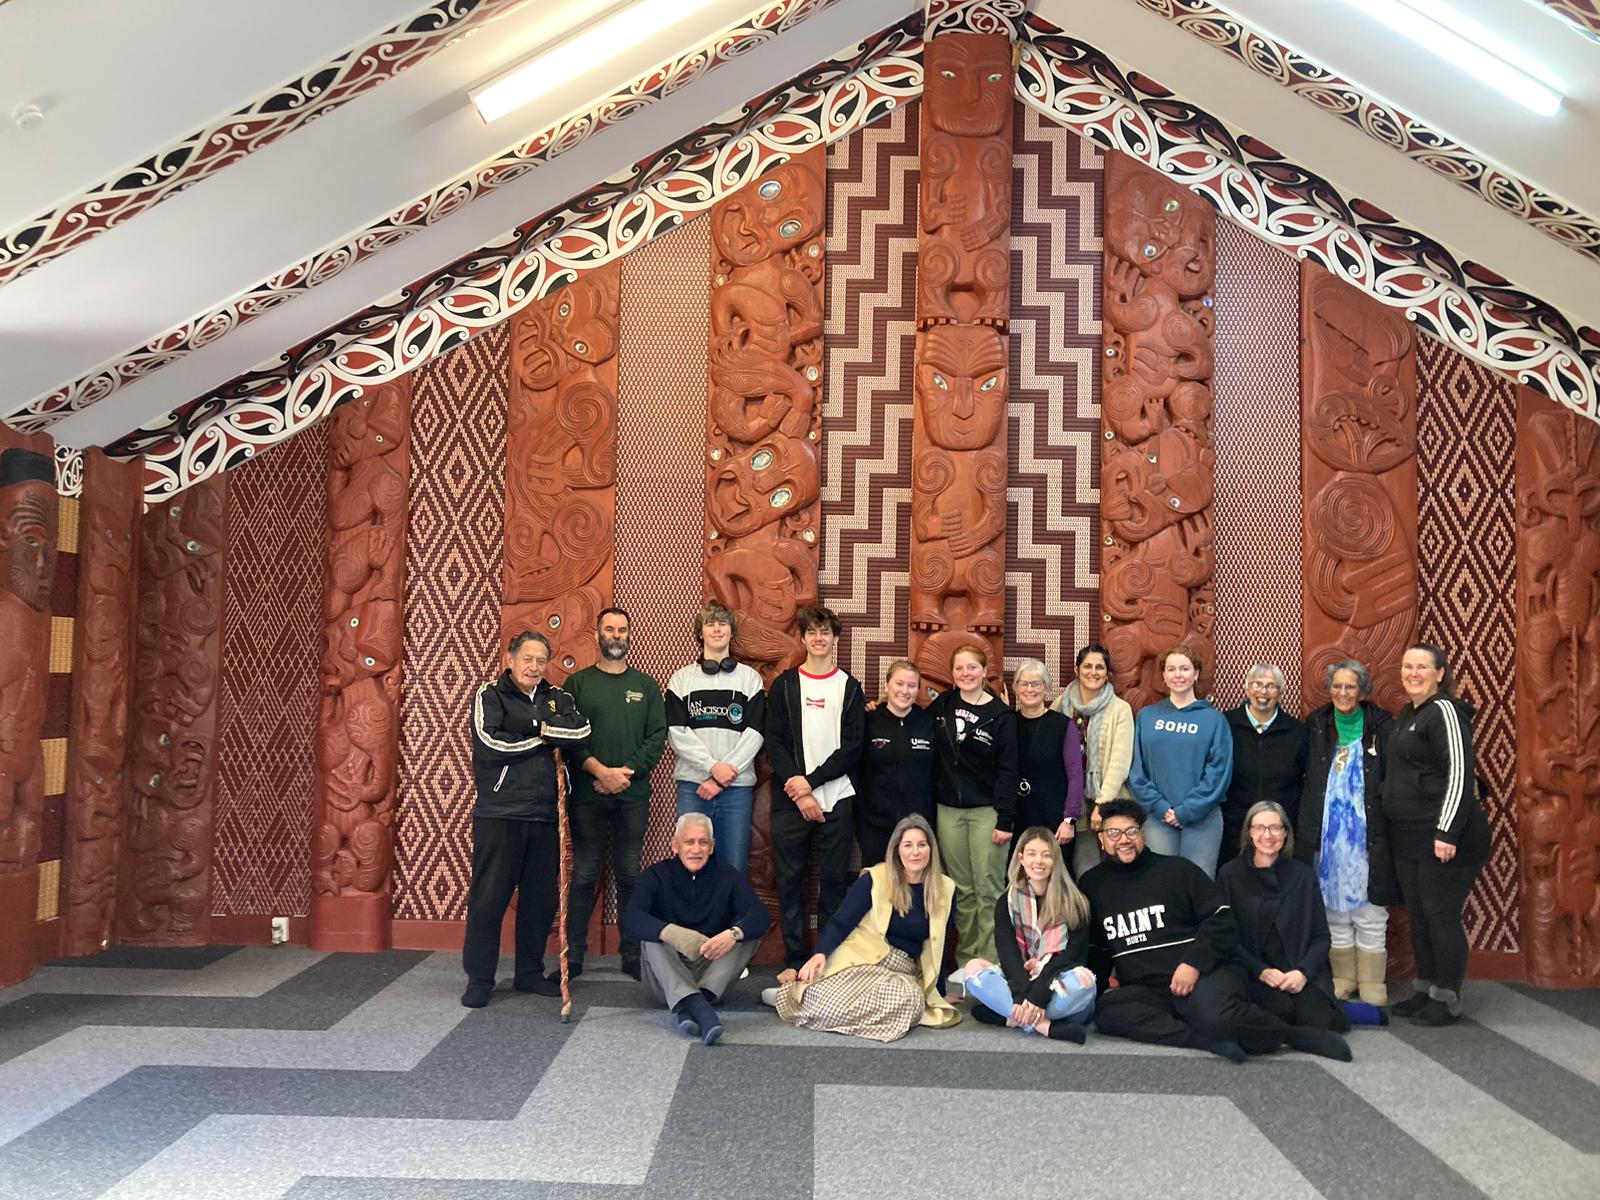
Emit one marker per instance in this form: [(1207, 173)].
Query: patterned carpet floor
[(242, 1073)]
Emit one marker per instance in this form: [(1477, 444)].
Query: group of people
[(1184, 876)]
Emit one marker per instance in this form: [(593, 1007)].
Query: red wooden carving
[(358, 727), (164, 890), (1558, 691), (763, 429), (964, 253), (28, 513), (1358, 481), (102, 663), (561, 469), (1158, 456)]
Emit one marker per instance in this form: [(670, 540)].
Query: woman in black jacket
[(1342, 830), (894, 775), (1437, 827), (1283, 933), (975, 784), (1041, 931)]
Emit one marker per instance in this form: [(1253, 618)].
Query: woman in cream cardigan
[(1105, 725), (875, 972)]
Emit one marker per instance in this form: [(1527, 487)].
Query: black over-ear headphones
[(712, 666)]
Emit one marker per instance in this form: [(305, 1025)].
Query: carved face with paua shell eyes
[(776, 213), (961, 385), (968, 88), (769, 481)]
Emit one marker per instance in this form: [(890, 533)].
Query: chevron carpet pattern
[(258, 1073)]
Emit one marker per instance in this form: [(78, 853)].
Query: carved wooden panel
[(561, 469), (764, 418), (358, 727), (1158, 455), (102, 665), (1358, 483), (1558, 691), (961, 379), (28, 516), (964, 253), (763, 434), (164, 890)]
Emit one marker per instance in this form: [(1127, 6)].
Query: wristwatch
[(738, 934)]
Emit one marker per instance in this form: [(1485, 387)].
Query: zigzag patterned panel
[(272, 636), (452, 615), (661, 447), (869, 340), (1257, 388), (1052, 554), (1467, 547)]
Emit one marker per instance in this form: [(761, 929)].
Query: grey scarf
[(1072, 704)]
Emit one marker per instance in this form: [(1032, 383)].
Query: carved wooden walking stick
[(564, 838)]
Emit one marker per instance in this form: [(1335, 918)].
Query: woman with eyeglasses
[(1041, 932), (1282, 940), (1049, 757), (1342, 831), (1269, 754), (1105, 730), (1437, 828)]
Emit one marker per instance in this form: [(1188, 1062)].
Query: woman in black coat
[(1347, 757), (1283, 933)]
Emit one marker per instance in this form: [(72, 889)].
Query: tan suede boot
[(1371, 967), (1343, 961)]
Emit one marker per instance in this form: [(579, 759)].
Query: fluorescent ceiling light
[(617, 29), (1464, 43)]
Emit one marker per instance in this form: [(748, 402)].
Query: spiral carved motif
[(1359, 593), (103, 641), (1158, 457), (358, 742), (165, 869), (561, 469), (1558, 692)]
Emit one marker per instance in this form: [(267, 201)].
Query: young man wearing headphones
[(716, 709)]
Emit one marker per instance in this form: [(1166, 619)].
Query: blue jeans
[(730, 819), (1070, 998), (1199, 842)]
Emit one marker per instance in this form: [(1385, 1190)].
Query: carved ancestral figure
[(166, 868), (103, 652), (958, 484), (561, 464), (1158, 459), (1359, 483), (1558, 691), (766, 312), (765, 483), (28, 549), (358, 746), (964, 257)]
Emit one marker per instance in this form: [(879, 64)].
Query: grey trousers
[(668, 977)]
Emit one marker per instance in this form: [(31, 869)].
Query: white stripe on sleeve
[(1456, 774)]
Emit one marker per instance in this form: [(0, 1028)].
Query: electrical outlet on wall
[(280, 930)]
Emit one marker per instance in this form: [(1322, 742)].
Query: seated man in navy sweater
[(698, 923)]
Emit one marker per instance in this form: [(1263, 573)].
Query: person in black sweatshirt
[(1269, 755), (816, 720), (1164, 929), (895, 774), (1437, 830), (975, 784), (698, 924)]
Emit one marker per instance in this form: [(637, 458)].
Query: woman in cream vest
[(876, 970)]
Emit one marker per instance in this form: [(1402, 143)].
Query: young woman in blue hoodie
[(1182, 762)]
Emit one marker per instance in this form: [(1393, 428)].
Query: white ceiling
[(156, 70)]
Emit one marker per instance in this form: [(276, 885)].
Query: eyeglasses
[(1264, 686), (1019, 684), (1274, 829), (1120, 835)]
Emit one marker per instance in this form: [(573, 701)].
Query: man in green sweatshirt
[(611, 788)]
